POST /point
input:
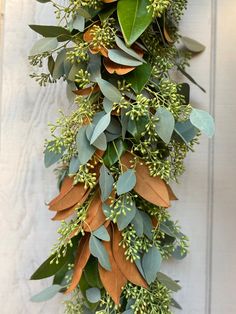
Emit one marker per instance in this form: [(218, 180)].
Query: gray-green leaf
[(192, 45), (85, 150), (93, 295), (165, 125), (203, 121), (46, 294), (105, 182), (168, 282), (120, 57), (44, 45), (129, 51), (186, 131), (100, 127), (109, 90), (151, 263), (102, 234), (79, 23), (127, 213), (98, 250), (126, 182)]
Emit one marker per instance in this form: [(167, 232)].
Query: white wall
[(205, 209)]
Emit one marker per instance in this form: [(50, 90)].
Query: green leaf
[(114, 151), (139, 77), (91, 273), (184, 90), (147, 224), (151, 263), (130, 311), (94, 67), (44, 45), (168, 282), (106, 210), (177, 254), (59, 65), (175, 304), (168, 229), (136, 127), (50, 157), (109, 90), (100, 142), (107, 105), (46, 294), (93, 295), (127, 213), (85, 150), (191, 79), (51, 31), (133, 18), (107, 12), (43, 1), (186, 131), (106, 182), (51, 64), (100, 127), (138, 223), (120, 57), (165, 125), (79, 23), (127, 50), (126, 182), (98, 250), (74, 165), (203, 121), (192, 45), (102, 234)]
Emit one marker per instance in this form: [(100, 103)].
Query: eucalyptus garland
[(130, 127)]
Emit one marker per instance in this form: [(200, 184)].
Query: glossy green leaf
[(151, 263), (102, 234), (46, 294), (106, 182), (127, 50), (106, 12), (114, 152), (186, 131), (203, 121), (168, 282), (100, 127), (93, 295), (98, 250), (126, 182), (192, 45), (120, 57), (79, 23), (91, 273), (85, 150), (139, 77), (127, 213), (51, 157), (133, 18), (165, 124), (109, 90), (44, 45)]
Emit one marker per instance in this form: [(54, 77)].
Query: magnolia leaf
[(126, 182), (138, 223), (109, 90), (203, 121), (44, 45), (186, 131), (51, 157), (120, 57), (151, 263), (139, 77), (98, 250), (93, 295), (50, 31), (91, 273), (100, 127), (102, 234), (79, 23), (85, 150), (127, 213), (74, 165), (59, 69), (114, 151), (47, 294), (192, 45), (165, 125), (106, 182), (134, 18), (127, 50), (107, 12), (168, 282)]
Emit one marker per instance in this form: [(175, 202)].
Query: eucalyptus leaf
[(138, 223), (126, 182), (51, 157), (101, 142), (98, 250), (184, 90), (177, 254), (168, 282), (127, 50), (106, 182), (134, 18), (100, 127), (51, 64), (109, 90), (79, 23), (44, 45), (85, 150), (114, 152), (102, 234), (106, 210), (120, 57), (43, 1), (165, 124), (74, 165), (147, 224), (46, 294), (137, 127), (127, 213), (175, 304), (130, 311), (139, 77), (59, 65), (203, 121), (192, 45), (93, 295), (186, 131), (107, 105), (94, 67), (191, 79), (50, 31), (151, 263)]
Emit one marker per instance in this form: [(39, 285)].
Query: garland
[(126, 138)]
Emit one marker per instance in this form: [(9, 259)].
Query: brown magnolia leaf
[(128, 269), (88, 37), (101, 49), (87, 91), (64, 214), (82, 257), (172, 195), (74, 196), (66, 186), (109, 1), (113, 67), (113, 281), (95, 216), (152, 189), (155, 222), (167, 36)]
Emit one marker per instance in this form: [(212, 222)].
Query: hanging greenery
[(130, 128)]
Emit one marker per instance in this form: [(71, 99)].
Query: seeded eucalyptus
[(116, 153)]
